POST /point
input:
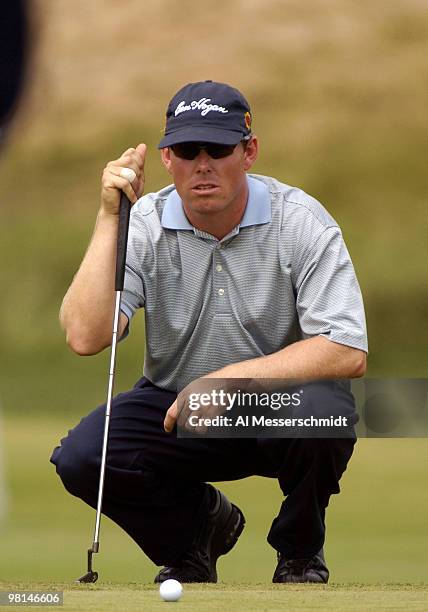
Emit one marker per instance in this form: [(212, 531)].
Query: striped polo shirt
[(282, 275)]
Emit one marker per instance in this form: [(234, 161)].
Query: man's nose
[(203, 160)]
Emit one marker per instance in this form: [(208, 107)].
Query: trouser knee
[(76, 468)]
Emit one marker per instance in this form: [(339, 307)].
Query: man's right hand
[(113, 183)]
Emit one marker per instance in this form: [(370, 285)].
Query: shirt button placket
[(220, 283)]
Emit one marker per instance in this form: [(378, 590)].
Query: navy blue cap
[(207, 112)]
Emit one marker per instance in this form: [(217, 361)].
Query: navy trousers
[(155, 482)]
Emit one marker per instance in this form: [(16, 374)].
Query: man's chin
[(207, 203)]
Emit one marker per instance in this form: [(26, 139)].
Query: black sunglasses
[(190, 150)]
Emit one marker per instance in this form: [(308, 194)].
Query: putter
[(122, 240)]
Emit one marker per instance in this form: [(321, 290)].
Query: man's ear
[(251, 152), (166, 158)]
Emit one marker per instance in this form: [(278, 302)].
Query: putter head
[(88, 577)]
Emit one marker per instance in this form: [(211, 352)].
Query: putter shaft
[(92, 576), (95, 544), (122, 240)]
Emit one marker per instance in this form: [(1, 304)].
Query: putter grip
[(122, 241)]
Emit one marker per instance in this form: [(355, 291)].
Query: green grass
[(240, 596), (376, 528)]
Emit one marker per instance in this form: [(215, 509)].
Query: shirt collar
[(257, 211)]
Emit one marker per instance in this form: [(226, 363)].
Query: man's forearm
[(315, 358), (312, 358), (87, 309)]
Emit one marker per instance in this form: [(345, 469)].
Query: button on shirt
[(282, 275)]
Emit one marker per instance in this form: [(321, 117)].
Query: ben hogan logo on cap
[(199, 105)]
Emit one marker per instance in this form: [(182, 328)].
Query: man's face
[(207, 185)]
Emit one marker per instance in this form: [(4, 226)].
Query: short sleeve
[(328, 297), (133, 292)]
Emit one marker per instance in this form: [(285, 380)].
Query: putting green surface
[(238, 596)]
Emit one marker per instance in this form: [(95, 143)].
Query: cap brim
[(201, 134)]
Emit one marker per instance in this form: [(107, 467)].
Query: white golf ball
[(170, 590)]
